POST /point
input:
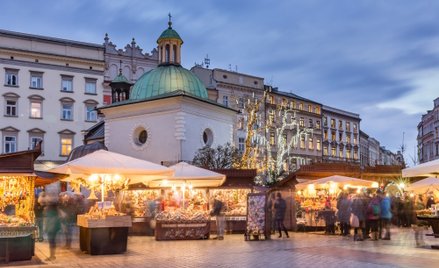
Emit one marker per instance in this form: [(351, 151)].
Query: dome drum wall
[(167, 79)]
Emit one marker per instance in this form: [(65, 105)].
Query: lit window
[(34, 141), (325, 150), (11, 108), (272, 138), (340, 153), (325, 134), (333, 152), (310, 144), (302, 142), (35, 109), (340, 124), (90, 86), (10, 144), (226, 101), (310, 123), (355, 155), (348, 126), (348, 154), (318, 124), (301, 122), (317, 110), (355, 140), (67, 83), (271, 99), (348, 139), (310, 108), (301, 106), (293, 105), (11, 77), (332, 123), (318, 146), (36, 80), (66, 145), (333, 136), (355, 127)]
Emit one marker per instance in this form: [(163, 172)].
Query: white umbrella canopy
[(425, 185), (428, 169), (186, 174), (343, 180), (105, 162)]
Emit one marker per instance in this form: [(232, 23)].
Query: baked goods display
[(181, 215), (14, 221)]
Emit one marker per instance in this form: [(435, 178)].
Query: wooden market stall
[(104, 230), (17, 183)]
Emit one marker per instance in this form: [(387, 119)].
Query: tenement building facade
[(428, 135), (49, 92), (341, 135)]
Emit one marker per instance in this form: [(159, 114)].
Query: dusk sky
[(379, 59)]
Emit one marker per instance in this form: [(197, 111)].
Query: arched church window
[(174, 52), (208, 137), (167, 52)]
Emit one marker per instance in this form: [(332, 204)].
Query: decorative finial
[(133, 42), (120, 67), (106, 38), (169, 22)]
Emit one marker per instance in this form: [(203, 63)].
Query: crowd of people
[(370, 215)]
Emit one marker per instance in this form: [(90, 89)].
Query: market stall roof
[(425, 185), (336, 179), (190, 175), (105, 162), (428, 169)]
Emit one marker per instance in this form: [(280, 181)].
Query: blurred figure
[(419, 226), (373, 215), (39, 215), (329, 216), (344, 213), (358, 208), (218, 212), (385, 217), (52, 222), (430, 200), (280, 207), (67, 213)]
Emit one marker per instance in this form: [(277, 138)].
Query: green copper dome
[(169, 34), (166, 79), (120, 78)]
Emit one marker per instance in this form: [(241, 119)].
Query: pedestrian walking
[(419, 226), (344, 213), (218, 212), (39, 216), (373, 215), (271, 213), (385, 217), (358, 208), (52, 223), (280, 207)]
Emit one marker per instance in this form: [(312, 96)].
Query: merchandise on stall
[(257, 217)]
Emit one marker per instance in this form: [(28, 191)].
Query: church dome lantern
[(169, 46)]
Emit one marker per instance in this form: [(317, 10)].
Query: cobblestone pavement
[(300, 250)]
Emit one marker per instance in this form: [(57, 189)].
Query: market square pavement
[(300, 250)]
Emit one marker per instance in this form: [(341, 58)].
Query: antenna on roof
[(207, 61), (230, 67)]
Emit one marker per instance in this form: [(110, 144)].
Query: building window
[(226, 101), (271, 116), (11, 108), (302, 122), (348, 126), (241, 144), (310, 143), (333, 136), (348, 154), (332, 123), (208, 137), (293, 105), (310, 123), (325, 150), (10, 144), (355, 127), (355, 140), (90, 86), (301, 106), (325, 135), (66, 145), (34, 141), (272, 138), (317, 110), (340, 153), (284, 102), (90, 113), (67, 109), (67, 83), (318, 145), (318, 124), (241, 103), (11, 77), (340, 124), (310, 108), (36, 106), (348, 139), (36, 80), (302, 142), (340, 137), (355, 155), (271, 99), (333, 152)]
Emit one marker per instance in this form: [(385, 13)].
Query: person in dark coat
[(271, 212), (52, 224), (373, 214), (39, 217), (358, 208), (218, 211), (280, 207), (344, 213)]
